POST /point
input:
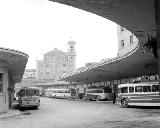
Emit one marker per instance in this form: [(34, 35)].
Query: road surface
[(63, 113)]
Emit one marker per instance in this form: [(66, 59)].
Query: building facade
[(126, 41), (56, 63), (29, 73)]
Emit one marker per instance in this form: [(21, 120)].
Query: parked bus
[(59, 93), (139, 94), (29, 97), (48, 92), (97, 94)]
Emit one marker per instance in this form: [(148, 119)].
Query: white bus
[(139, 94), (48, 93), (60, 93), (98, 94)]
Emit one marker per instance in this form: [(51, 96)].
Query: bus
[(97, 94), (60, 93), (48, 93), (29, 97), (138, 94)]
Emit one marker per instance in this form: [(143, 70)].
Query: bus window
[(131, 89), (21, 93), (138, 89), (155, 88), (95, 91), (124, 90), (107, 90), (146, 88)]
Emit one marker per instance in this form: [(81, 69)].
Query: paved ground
[(61, 113)]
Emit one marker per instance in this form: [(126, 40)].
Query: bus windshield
[(29, 92)]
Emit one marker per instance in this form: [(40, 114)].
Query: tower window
[(122, 43), (131, 39), (71, 48), (122, 29)]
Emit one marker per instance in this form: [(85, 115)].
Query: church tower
[(71, 56)]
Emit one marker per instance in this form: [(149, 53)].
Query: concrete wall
[(4, 97), (7, 95)]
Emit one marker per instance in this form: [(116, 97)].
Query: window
[(131, 89), (122, 43), (122, 29), (47, 73), (138, 89), (131, 39), (1, 82), (146, 88), (95, 91), (124, 90), (71, 48), (64, 65), (155, 88)]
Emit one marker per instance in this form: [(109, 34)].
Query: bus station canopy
[(138, 62), (16, 62)]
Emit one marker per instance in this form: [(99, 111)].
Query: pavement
[(13, 111)]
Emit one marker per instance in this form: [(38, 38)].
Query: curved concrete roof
[(16, 61), (136, 63), (138, 16)]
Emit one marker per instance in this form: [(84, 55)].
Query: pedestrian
[(114, 98)]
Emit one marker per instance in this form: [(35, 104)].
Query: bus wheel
[(98, 98), (124, 103)]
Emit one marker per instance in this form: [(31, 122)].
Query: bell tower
[(71, 56)]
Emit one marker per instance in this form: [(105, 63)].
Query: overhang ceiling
[(138, 16), (16, 61)]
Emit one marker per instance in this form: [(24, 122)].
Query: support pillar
[(157, 19)]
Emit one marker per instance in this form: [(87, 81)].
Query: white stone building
[(126, 41), (29, 73), (56, 63)]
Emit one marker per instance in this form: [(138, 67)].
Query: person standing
[(114, 97)]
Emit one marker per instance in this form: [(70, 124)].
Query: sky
[(36, 27)]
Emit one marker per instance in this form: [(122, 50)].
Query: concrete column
[(157, 18)]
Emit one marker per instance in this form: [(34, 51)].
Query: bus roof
[(138, 84), (57, 89), (29, 88), (98, 88)]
